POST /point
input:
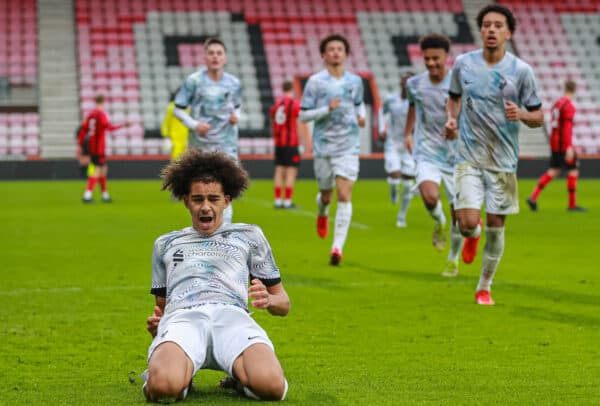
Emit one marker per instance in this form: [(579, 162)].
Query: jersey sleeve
[(261, 262), (159, 271), (296, 109), (359, 96), (83, 129), (184, 96), (410, 92), (455, 89), (237, 96), (567, 116), (309, 96), (528, 96)]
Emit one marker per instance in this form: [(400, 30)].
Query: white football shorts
[(399, 160), (327, 168), (433, 173), (213, 335), (498, 189)]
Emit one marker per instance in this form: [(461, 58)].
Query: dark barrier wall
[(259, 169)]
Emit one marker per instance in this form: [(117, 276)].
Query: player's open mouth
[(205, 219)]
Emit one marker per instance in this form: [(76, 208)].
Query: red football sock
[(544, 180), (103, 183), (91, 183), (289, 192), (277, 192), (572, 186)]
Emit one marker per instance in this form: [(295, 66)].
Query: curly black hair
[(435, 41), (195, 166), (497, 8), (331, 38)]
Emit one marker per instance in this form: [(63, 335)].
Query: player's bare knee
[(268, 386), (163, 385)]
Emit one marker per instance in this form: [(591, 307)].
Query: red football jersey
[(563, 112), (95, 126), (284, 116)]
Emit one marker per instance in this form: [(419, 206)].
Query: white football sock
[(87, 194), (472, 233), (228, 214), (343, 217), (437, 213), (456, 243), (322, 208), (492, 253), (407, 195)]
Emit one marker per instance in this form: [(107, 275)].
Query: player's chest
[(490, 83), (338, 89), (210, 254), (213, 94)]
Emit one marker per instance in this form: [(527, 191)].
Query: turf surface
[(382, 329)]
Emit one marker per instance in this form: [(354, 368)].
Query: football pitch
[(384, 328)]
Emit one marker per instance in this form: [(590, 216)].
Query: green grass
[(382, 329)]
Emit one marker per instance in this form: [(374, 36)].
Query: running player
[(435, 156), (399, 163), (286, 133), (214, 98), (94, 130), (561, 147), (487, 89), (200, 278), (333, 99)]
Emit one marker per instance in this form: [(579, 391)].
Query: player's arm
[(361, 114), (272, 298), (531, 117), (383, 124), (409, 128), (152, 321), (452, 112)]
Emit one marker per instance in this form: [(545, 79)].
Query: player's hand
[(127, 124), (511, 111), (569, 155), (203, 128), (408, 142), (451, 129), (233, 119), (152, 321), (383, 136), (361, 121), (334, 104), (258, 292)]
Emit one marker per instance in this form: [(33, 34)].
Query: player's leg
[(325, 181), (92, 180), (176, 353), (572, 176), (408, 172), (277, 185), (343, 218), (501, 197), (429, 178), (102, 178), (391, 162), (346, 170), (243, 349), (555, 163), (170, 372), (469, 196), (260, 372), (290, 174), (456, 238)]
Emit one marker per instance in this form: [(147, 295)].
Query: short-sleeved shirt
[(284, 117), (191, 269), (213, 103), (337, 133), (94, 129), (395, 108), (486, 138), (563, 113), (429, 101)]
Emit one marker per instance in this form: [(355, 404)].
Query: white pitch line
[(23, 291), (299, 212)]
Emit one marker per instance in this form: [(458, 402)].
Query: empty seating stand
[(560, 40)]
